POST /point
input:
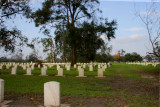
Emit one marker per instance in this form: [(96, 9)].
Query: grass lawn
[(123, 85)]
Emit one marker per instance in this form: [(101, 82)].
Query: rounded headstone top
[(1, 79), (52, 82)]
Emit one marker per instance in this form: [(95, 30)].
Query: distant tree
[(149, 58), (17, 56), (122, 53), (103, 58), (3, 59), (32, 57), (117, 56), (132, 57), (48, 46)]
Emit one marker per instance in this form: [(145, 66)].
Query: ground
[(123, 86)]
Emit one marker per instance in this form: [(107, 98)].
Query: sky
[(131, 34)]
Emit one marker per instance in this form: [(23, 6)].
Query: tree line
[(99, 57)]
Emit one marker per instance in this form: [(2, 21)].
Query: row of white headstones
[(80, 66), (145, 63), (51, 93)]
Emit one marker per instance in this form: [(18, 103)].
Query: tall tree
[(67, 13), (70, 12)]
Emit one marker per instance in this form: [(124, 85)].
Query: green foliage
[(103, 58), (48, 47), (133, 57), (9, 38), (90, 39), (32, 57), (66, 15), (87, 39), (149, 57)]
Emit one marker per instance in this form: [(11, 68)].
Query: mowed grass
[(84, 87)]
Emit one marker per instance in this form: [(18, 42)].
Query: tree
[(103, 58), (48, 46), (32, 57), (132, 57), (61, 42), (90, 40), (9, 38), (69, 14), (122, 53), (3, 59), (149, 58), (151, 21), (117, 56)]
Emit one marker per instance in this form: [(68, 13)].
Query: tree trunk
[(73, 55)]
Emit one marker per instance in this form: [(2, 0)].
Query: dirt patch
[(24, 100), (150, 75), (37, 101), (133, 86)]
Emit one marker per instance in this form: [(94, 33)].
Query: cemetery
[(107, 84), (80, 53)]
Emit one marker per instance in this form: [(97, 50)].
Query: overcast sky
[(131, 34)]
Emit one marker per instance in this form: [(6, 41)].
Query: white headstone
[(52, 94), (60, 72), (100, 73), (90, 68), (43, 71), (29, 72), (103, 68), (7, 66), (84, 66), (13, 72), (1, 90), (81, 73), (99, 66), (32, 67), (58, 67), (68, 67), (39, 66), (24, 67), (45, 67), (75, 65), (109, 65)]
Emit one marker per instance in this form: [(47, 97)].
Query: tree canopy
[(11, 37), (132, 57), (68, 17)]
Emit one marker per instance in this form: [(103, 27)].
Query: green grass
[(86, 87), (130, 71), (83, 87)]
